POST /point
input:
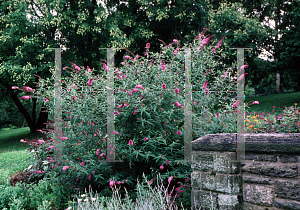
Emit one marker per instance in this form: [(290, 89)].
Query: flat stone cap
[(254, 142)]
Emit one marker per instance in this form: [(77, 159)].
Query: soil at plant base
[(20, 176)]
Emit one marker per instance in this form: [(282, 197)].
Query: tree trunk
[(23, 123), (21, 108), (33, 109), (277, 82), (43, 116)]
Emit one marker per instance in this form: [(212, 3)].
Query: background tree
[(85, 26), (285, 14), (22, 55), (230, 20)]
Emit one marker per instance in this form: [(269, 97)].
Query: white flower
[(86, 200), (93, 199), (83, 195), (79, 200)]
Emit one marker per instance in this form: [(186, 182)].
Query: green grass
[(14, 154), (280, 101)]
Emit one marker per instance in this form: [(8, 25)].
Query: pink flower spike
[(135, 90), (90, 82), (75, 66), (89, 70), (163, 66), (38, 171), (130, 142), (50, 147), (236, 103), (28, 89), (255, 102), (164, 86), (111, 183), (179, 132), (205, 41), (64, 138), (40, 141), (176, 90), (204, 85), (145, 139), (177, 104), (161, 167), (244, 66), (104, 66), (148, 45), (25, 97), (45, 99), (83, 163), (22, 141), (174, 40), (14, 87), (167, 162), (97, 152), (241, 77), (170, 179), (219, 43), (217, 114), (90, 177), (127, 57), (136, 57), (65, 168), (140, 87)]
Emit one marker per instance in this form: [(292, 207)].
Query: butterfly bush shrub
[(149, 118)]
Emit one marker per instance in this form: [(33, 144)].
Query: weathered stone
[(272, 169), (224, 183), (268, 179), (257, 179), (261, 157), (287, 189), (260, 142), (249, 206), (284, 158), (223, 163), (202, 161), (196, 180), (258, 194), (208, 199), (212, 200), (287, 204), (228, 200)]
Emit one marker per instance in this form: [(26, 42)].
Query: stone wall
[(269, 179)]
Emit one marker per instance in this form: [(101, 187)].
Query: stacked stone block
[(269, 178)]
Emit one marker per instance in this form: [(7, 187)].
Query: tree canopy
[(28, 28)]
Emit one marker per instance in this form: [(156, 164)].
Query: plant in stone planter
[(265, 123)]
